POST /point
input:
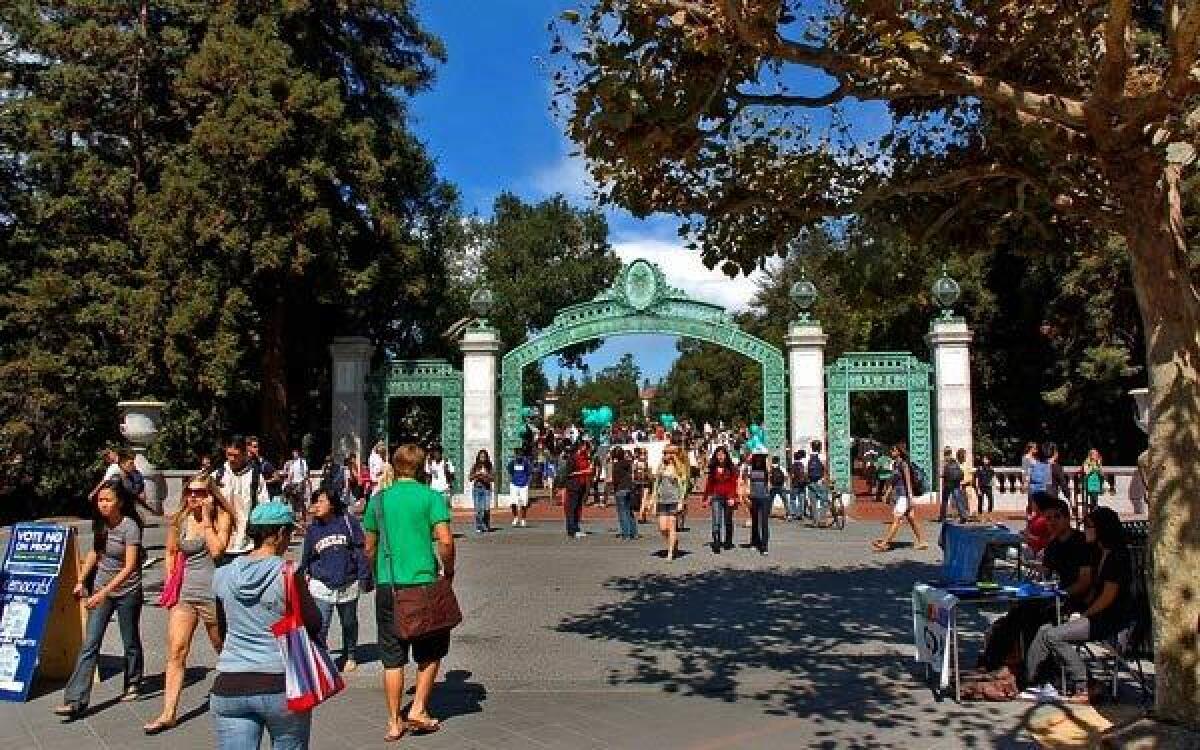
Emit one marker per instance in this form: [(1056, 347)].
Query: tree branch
[(1114, 66), (1183, 39)]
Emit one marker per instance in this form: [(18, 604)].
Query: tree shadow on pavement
[(830, 646)]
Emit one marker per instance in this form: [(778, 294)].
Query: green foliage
[(200, 197), (616, 386), (709, 383)]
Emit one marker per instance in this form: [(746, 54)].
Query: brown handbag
[(418, 610)]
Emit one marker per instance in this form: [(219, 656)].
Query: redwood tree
[(732, 113)]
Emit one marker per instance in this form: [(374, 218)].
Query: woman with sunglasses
[(670, 491), (199, 534)]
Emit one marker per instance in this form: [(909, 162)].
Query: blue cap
[(272, 514)]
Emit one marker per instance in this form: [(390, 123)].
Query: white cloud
[(684, 269), (568, 176)]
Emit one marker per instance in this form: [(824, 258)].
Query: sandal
[(158, 726), (923, 545), (879, 546), (424, 726), (70, 710), (396, 736)]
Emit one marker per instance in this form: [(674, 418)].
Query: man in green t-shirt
[(401, 524)]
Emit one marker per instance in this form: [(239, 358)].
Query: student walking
[(641, 484), (903, 489), (116, 559), (249, 694), (779, 486), (400, 522), (337, 570), (952, 477), (481, 491), (578, 480), (196, 539), (985, 475), (623, 488), (440, 472), (721, 492), (758, 481), (1093, 479), (241, 484), (520, 472), (818, 491), (670, 489)]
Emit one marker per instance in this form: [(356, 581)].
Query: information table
[(40, 620)]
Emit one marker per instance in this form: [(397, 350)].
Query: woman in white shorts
[(902, 511)]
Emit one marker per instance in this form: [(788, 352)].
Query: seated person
[(1109, 607), (1068, 556), (1037, 533)]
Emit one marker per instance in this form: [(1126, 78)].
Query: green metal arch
[(879, 371), (422, 378), (631, 308)]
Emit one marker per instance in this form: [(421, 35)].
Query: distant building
[(648, 394), (549, 404)]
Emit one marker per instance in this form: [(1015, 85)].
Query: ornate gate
[(432, 378), (641, 301), (878, 371)]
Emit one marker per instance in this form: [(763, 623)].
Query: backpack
[(953, 473), (758, 483), (816, 468), (1040, 477), (920, 481), (333, 481), (799, 474), (778, 478)]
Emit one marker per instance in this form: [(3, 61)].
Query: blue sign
[(28, 584)]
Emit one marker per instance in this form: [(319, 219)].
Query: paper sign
[(933, 614)]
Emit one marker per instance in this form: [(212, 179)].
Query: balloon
[(667, 421), (597, 418), (757, 441), (527, 412)]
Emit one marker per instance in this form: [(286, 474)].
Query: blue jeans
[(128, 609), (348, 614), (818, 496), (241, 719), (482, 497), (760, 517), (628, 525), (960, 503), (722, 520), (796, 502)]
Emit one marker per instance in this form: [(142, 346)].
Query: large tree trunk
[(1170, 312), (273, 414)]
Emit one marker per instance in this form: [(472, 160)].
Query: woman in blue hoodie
[(249, 693), (336, 568)]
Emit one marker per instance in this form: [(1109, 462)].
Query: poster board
[(41, 621), (933, 621)]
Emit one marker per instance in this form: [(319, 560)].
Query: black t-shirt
[(622, 475), (1115, 567), (1066, 557)]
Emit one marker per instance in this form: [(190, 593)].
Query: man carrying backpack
[(242, 485), (818, 491), (779, 488), (952, 477)]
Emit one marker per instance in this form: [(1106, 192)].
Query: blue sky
[(487, 123)]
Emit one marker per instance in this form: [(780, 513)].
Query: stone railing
[(1123, 491)]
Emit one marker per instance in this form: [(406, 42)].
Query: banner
[(933, 615), (29, 584)]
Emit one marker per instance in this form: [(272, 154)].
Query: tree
[(538, 259), (615, 386), (689, 107), (202, 196), (709, 383)]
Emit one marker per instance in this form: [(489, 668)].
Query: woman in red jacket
[(721, 491)]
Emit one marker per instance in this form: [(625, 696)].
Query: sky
[(487, 123)]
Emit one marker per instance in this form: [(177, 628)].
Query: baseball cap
[(272, 514)]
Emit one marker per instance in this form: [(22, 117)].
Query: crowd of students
[(226, 569)]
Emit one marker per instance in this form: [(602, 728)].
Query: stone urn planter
[(1141, 408), (140, 423)]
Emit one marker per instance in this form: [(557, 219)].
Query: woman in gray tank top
[(670, 491), (198, 535)]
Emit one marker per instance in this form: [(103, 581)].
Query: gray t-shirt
[(112, 556), (198, 567)]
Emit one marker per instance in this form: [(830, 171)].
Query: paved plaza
[(599, 643)]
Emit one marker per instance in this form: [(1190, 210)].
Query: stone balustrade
[(1123, 491)]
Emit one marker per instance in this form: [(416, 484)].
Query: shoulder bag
[(418, 610)]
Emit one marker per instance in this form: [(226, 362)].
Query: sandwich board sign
[(41, 622)]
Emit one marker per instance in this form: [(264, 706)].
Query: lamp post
[(804, 296), (481, 304), (946, 292)]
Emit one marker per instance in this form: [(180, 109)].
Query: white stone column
[(949, 343), (351, 365), (806, 383), (481, 348)]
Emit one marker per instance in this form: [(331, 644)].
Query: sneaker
[(516, 521), (580, 534), (523, 523), (1044, 694)]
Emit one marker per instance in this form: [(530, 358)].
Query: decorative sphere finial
[(804, 295), (946, 292)]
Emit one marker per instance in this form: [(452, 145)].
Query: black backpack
[(778, 478), (953, 473), (816, 468), (255, 478)]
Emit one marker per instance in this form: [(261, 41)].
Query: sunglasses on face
[(195, 493)]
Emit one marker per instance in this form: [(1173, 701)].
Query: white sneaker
[(516, 521), (523, 523), (580, 534), (1045, 694)]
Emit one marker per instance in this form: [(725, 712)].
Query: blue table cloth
[(965, 546)]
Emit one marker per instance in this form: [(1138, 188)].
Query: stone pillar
[(949, 343), (480, 348), (806, 383), (351, 365)]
